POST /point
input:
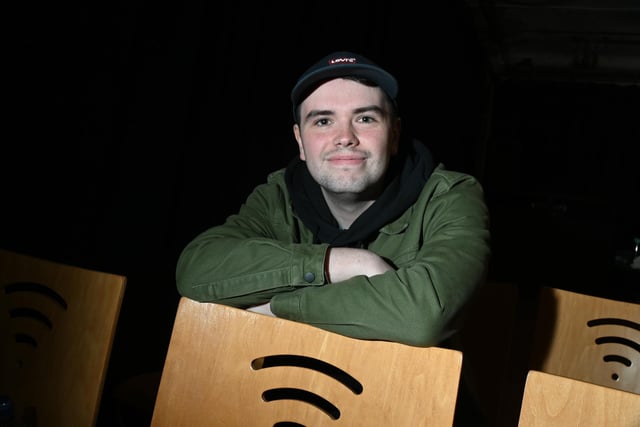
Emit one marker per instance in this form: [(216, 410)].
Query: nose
[(346, 136)]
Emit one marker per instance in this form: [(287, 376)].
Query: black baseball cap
[(342, 64)]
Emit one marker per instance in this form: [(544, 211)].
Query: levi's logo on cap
[(343, 60)]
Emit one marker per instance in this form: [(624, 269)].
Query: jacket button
[(309, 277)]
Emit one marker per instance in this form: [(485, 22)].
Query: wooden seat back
[(231, 367), (588, 338), (555, 401), (57, 325)]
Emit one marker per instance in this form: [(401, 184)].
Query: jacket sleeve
[(437, 273), (252, 256)]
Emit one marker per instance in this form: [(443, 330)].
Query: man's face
[(347, 136)]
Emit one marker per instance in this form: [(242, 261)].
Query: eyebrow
[(375, 108)]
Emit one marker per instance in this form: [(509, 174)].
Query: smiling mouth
[(346, 160), (339, 158), (347, 156)]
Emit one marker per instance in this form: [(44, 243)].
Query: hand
[(345, 263), (262, 309)]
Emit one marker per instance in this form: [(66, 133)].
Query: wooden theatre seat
[(57, 325), (555, 401), (231, 367), (588, 338)]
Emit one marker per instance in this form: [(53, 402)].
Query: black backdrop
[(132, 126)]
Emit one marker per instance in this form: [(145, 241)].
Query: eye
[(367, 119), (321, 122)]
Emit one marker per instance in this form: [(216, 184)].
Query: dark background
[(133, 126)]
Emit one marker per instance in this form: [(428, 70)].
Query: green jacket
[(439, 246)]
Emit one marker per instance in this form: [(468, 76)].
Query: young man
[(363, 234)]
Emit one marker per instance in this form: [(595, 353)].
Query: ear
[(296, 134)]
